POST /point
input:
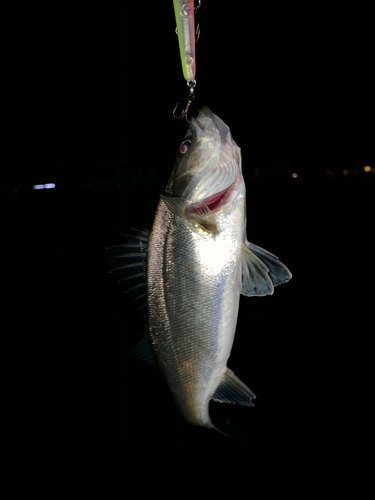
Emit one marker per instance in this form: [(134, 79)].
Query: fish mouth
[(217, 200), (214, 202), (213, 191)]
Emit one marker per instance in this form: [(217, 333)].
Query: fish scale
[(193, 305)]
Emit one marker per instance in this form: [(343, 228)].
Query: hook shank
[(191, 98)]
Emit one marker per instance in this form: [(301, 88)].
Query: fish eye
[(185, 146)]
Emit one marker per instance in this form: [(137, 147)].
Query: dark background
[(295, 90)]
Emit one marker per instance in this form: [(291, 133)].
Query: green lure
[(184, 12)]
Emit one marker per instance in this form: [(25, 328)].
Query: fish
[(188, 273)]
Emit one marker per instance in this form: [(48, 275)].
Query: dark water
[(305, 351), (297, 93)]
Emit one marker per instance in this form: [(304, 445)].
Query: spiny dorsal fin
[(129, 264)]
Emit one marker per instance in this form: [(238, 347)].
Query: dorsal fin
[(143, 350), (129, 264)]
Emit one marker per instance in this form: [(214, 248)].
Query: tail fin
[(213, 427)]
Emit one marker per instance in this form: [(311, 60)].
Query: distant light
[(44, 186), (345, 171), (295, 175), (367, 168)]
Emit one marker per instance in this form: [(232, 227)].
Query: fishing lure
[(185, 21)]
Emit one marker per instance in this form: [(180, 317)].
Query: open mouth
[(217, 200), (213, 202)]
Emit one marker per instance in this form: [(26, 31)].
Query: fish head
[(208, 163)]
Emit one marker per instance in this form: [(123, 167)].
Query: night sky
[(295, 90)]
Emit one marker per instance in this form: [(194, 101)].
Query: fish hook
[(191, 98), (198, 30)]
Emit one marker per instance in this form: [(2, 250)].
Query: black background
[(294, 87)]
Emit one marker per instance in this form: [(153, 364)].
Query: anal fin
[(232, 390)]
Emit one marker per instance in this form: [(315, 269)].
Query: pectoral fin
[(251, 274), (233, 390), (278, 272), (259, 271)]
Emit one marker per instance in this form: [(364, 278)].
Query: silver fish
[(197, 261)]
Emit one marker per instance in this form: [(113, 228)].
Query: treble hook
[(191, 98), (198, 30)]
